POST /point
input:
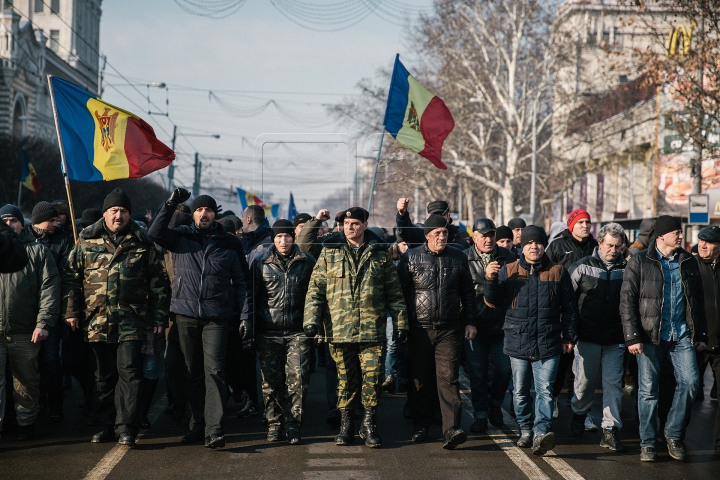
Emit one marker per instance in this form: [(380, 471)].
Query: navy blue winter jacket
[(209, 267), (534, 299)]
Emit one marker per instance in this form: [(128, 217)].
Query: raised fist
[(402, 205), (323, 215), (178, 196)]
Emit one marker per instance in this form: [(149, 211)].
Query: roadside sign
[(699, 209)]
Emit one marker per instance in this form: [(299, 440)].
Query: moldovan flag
[(415, 117), (28, 177), (101, 141), (248, 198)]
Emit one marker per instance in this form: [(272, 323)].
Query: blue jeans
[(487, 349), (682, 356), (544, 372), (395, 356)]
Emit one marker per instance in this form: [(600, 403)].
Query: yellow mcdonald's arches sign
[(680, 37)]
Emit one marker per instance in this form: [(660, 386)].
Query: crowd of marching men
[(199, 298)]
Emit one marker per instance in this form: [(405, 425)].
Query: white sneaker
[(556, 412), (590, 424)]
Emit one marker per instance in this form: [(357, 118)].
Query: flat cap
[(438, 207), (710, 234)]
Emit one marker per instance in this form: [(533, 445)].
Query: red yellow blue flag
[(417, 118), (101, 141), (28, 176), (248, 198)]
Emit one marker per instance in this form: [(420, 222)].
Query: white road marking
[(336, 462), (343, 475), (561, 466), (113, 457)]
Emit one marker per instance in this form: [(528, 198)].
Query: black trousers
[(204, 345), (435, 358), (118, 374), (176, 373), (711, 358)]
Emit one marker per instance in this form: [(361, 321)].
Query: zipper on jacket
[(687, 303)]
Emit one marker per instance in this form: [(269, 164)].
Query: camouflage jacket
[(353, 294), (118, 293)]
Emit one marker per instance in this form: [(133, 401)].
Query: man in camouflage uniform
[(113, 289), (352, 286), (280, 278)]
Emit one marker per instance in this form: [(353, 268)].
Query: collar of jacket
[(652, 252), (97, 230), (619, 263), (26, 236), (338, 240), (39, 232), (271, 255), (215, 231), (567, 234), (544, 263), (259, 231)]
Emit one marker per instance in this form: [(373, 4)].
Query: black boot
[(368, 429), (347, 429), (577, 425), (148, 391)]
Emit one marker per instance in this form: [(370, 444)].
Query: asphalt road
[(64, 450)]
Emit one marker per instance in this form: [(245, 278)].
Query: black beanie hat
[(117, 198), (283, 226), (433, 222), (44, 211), (227, 224), (90, 216), (534, 233), (204, 201), (503, 232), (516, 222), (12, 211), (666, 224), (301, 218)]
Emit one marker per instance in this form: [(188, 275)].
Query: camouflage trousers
[(358, 365), (285, 368)]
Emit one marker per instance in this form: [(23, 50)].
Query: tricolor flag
[(248, 198), (292, 210), (415, 117), (28, 176), (101, 141)]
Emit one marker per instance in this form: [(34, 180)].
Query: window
[(55, 40), (39, 6), (606, 37), (7, 3), (622, 79), (618, 39), (55, 7)]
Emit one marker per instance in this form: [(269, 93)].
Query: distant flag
[(248, 198), (101, 141), (415, 117), (292, 211), (467, 228), (28, 176)]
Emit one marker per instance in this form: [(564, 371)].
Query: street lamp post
[(171, 168)]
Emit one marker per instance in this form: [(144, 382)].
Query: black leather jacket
[(279, 290), (490, 320), (438, 288)]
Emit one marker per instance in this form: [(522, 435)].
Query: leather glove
[(178, 196), (400, 336), (311, 331), (246, 330)]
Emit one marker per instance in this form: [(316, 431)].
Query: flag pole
[(19, 194), (63, 165), (377, 163)]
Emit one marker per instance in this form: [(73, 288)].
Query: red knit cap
[(576, 215)]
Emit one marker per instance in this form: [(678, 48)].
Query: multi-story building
[(608, 130), (40, 38)]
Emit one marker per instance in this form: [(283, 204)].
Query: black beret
[(356, 213), (433, 222), (484, 225), (301, 218), (534, 233), (283, 226), (710, 234), (516, 223), (503, 232), (438, 206)]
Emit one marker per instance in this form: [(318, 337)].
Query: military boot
[(368, 429), (347, 429)]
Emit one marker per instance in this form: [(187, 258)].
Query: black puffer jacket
[(437, 287), (534, 300), (490, 320), (566, 250), (414, 235), (13, 256), (597, 289), (710, 275), (59, 243), (256, 242), (641, 298), (279, 290), (209, 267)]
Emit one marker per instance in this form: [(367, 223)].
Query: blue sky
[(239, 58)]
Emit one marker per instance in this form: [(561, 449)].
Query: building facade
[(40, 38)]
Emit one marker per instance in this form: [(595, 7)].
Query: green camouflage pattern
[(285, 368), (348, 297), (118, 293), (359, 367)]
